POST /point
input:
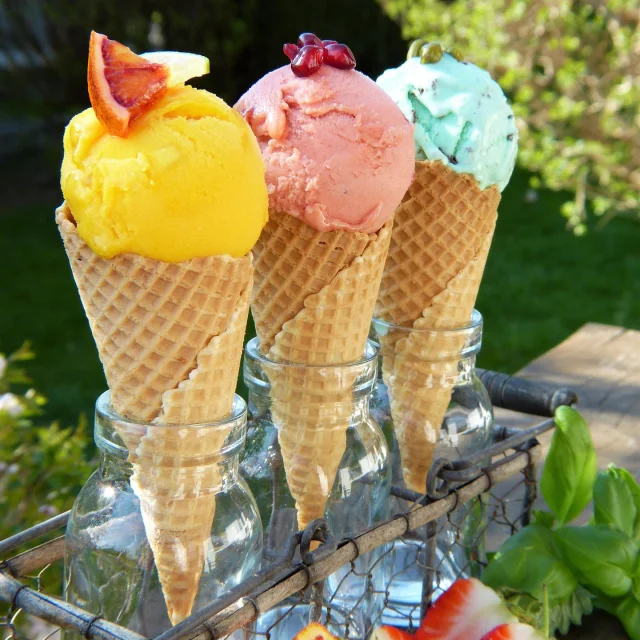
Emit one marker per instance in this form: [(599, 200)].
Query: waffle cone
[(312, 304), (170, 339), (441, 239)]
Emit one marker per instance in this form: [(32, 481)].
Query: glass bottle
[(109, 564), (467, 427), (358, 499)]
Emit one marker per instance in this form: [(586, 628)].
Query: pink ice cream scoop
[(339, 152)]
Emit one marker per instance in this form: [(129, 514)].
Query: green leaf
[(599, 556), (527, 561), (570, 468), (543, 518), (613, 502), (605, 603), (628, 612), (634, 488), (635, 588)]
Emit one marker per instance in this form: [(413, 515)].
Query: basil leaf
[(527, 561), (634, 487), (605, 603), (543, 518), (570, 468), (613, 502), (635, 588), (628, 612), (599, 556)]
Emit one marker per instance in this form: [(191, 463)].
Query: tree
[(572, 70)]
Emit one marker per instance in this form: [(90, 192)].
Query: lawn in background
[(540, 285)]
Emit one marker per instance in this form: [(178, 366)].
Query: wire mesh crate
[(494, 489)]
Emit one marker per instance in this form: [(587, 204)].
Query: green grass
[(540, 285), (40, 303)]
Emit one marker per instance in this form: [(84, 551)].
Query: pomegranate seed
[(308, 60), (309, 38), (326, 42), (290, 50), (339, 56)]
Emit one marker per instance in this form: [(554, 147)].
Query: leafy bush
[(42, 466), (572, 69)]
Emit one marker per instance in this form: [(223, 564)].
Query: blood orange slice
[(121, 84)]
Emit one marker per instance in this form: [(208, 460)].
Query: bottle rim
[(234, 422), (468, 338), (252, 350), (363, 371), (383, 327), (105, 408)]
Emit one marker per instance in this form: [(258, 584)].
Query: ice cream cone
[(170, 339), (339, 156), (440, 241), (313, 301)]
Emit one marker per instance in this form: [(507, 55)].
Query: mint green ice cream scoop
[(460, 114)]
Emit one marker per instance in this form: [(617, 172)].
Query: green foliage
[(543, 518), (571, 467), (572, 70), (527, 561), (572, 568), (600, 557), (634, 488), (613, 502), (628, 612), (42, 466)]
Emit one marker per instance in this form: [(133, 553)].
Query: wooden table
[(601, 363)]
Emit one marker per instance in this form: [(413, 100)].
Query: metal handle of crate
[(525, 396)]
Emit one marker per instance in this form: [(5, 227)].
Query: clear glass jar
[(357, 490), (114, 533), (430, 374)]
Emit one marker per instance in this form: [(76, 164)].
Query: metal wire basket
[(500, 481)]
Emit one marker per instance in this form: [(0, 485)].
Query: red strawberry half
[(467, 611), (514, 631), (390, 633)]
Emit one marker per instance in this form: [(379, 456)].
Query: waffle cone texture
[(313, 301), (170, 340), (441, 238)]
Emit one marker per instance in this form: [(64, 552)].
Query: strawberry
[(390, 633), (514, 631), (466, 611), (315, 631)]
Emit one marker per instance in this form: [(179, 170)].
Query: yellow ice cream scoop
[(187, 181)]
